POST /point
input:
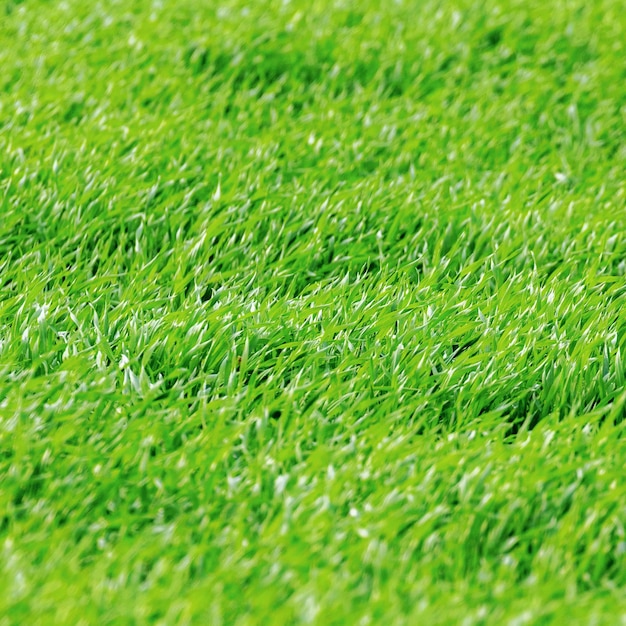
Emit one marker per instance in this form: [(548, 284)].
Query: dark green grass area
[(312, 312)]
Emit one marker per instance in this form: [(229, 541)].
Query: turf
[(312, 312)]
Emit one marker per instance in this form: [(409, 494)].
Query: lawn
[(312, 312)]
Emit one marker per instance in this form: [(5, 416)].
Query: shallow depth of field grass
[(312, 312)]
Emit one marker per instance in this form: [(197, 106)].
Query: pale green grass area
[(312, 312)]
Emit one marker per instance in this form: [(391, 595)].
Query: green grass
[(312, 312)]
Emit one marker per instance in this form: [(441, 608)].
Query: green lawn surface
[(312, 312)]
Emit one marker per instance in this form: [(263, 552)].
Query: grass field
[(312, 312)]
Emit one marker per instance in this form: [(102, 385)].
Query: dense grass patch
[(312, 312)]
